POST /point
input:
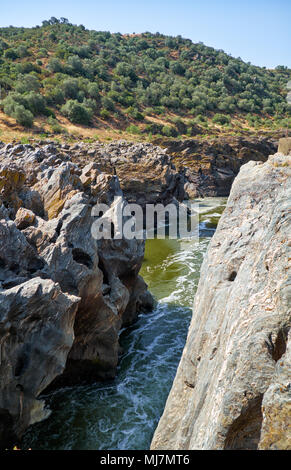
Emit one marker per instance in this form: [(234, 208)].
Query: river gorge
[(99, 346), (123, 413)]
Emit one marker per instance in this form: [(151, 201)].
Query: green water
[(123, 413)]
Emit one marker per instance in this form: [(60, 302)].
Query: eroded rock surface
[(146, 172), (64, 294), (36, 335), (233, 385), (211, 165), (174, 170)]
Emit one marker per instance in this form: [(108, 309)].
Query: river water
[(123, 413)]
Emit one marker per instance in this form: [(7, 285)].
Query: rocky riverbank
[(232, 388), (175, 170), (145, 172), (64, 296)]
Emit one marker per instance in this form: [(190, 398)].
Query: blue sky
[(258, 31)]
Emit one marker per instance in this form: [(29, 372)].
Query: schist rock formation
[(64, 295), (233, 385)]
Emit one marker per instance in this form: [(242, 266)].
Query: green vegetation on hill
[(63, 69)]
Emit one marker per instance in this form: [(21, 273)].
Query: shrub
[(77, 112), (126, 70), (149, 111), (3, 45), (22, 51), (135, 114), (154, 128), (221, 119), (104, 114), (10, 54), (35, 103), (90, 103), (200, 118), (55, 96), (246, 105), (93, 90), (42, 52), (132, 129), (75, 62), (23, 116), (177, 68), (52, 36), (54, 65), (107, 103), (193, 129), (11, 101), (80, 96), (159, 110), (26, 83), (26, 67), (70, 87), (169, 131), (180, 125)]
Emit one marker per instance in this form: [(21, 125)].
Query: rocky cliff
[(64, 295), (145, 172), (210, 166), (233, 384), (175, 170)]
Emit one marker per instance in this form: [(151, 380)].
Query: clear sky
[(258, 31)]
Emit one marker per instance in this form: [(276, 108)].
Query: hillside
[(60, 78)]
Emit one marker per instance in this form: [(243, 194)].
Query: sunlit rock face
[(64, 294), (232, 388)]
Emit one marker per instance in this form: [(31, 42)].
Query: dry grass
[(112, 129), (11, 131)]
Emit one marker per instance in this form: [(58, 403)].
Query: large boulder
[(233, 384), (146, 173), (36, 335)]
